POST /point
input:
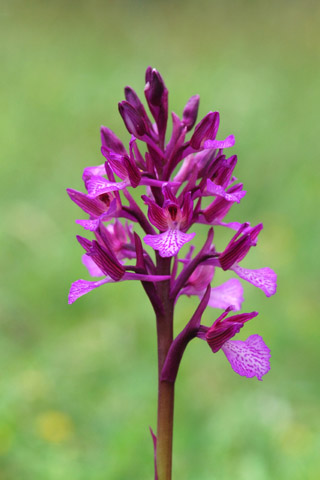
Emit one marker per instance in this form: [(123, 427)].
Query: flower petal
[(111, 141), (98, 185), (250, 358), (263, 278), (156, 214), (229, 293), (169, 242), (226, 143), (219, 191), (91, 225), (88, 172), (81, 287)]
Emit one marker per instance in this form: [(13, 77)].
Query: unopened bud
[(190, 112), (133, 121)]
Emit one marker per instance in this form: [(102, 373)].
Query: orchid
[(179, 174)]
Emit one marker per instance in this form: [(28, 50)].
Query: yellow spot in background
[(54, 426)]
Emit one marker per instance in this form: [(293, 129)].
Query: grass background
[(77, 383)]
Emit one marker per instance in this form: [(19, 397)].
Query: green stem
[(165, 389)]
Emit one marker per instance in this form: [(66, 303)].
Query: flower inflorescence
[(179, 176)]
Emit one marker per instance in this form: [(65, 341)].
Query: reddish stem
[(165, 389)]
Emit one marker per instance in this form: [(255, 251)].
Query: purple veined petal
[(85, 243), (263, 278), (239, 245), (93, 206), (223, 329), (226, 143), (91, 225), (99, 185), (116, 162), (156, 214), (187, 211), (89, 172), (111, 141), (250, 358), (81, 287), (215, 189), (92, 268), (169, 242), (134, 174), (105, 258), (227, 294), (232, 225), (206, 128)]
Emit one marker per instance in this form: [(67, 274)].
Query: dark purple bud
[(132, 119), (157, 97), (111, 141), (207, 129), (190, 112), (155, 87), (133, 98), (135, 101)]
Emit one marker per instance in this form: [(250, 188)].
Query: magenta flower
[(249, 358), (189, 180), (172, 220)]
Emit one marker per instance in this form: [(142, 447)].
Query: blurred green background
[(78, 383)]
